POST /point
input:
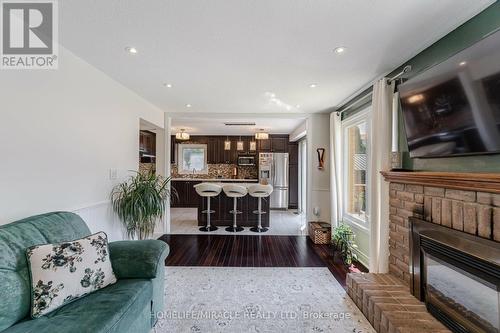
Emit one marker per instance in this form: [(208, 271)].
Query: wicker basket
[(320, 232)]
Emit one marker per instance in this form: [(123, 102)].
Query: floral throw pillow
[(63, 272)]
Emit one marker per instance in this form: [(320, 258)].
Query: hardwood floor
[(251, 251)]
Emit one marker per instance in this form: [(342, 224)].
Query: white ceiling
[(214, 125), (222, 56)]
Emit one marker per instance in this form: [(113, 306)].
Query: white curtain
[(380, 160), (335, 168)]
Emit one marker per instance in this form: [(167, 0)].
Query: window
[(192, 158), (355, 145)]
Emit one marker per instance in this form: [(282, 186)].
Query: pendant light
[(227, 144), (261, 135), (182, 135), (239, 145)]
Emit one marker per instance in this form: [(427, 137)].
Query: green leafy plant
[(140, 202), (343, 239)]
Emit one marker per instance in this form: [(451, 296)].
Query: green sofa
[(129, 305)]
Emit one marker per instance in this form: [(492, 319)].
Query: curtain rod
[(405, 70), (348, 106)]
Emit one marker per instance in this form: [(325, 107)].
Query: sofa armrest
[(137, 258)]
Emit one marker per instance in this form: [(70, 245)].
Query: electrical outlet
[(113, 174)]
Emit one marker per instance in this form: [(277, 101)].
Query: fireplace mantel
[(483, 182)]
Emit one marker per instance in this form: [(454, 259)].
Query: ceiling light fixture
[(188, 105), (261, 135), (463, 63), (297, 106), (182, 135), (339, 50), (313, 85), (168, 85), (131, 50)]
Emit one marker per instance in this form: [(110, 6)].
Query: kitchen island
[(188, 198), (223, 205)]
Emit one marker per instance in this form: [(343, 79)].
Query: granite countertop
[(217, 180), (247, 185)]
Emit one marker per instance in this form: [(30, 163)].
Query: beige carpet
[(228, 299)]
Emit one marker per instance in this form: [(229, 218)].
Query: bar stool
[(235, 191), (208, 190), (260, 191)]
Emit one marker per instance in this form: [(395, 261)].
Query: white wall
[(299, 132), (318, 181), (61, 132)]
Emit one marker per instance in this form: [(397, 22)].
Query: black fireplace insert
[(457, 275)]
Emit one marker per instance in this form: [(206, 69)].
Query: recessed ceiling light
[(463, 63), (188, 105), (168, 85), (130, 49), (297, 106), (313, 85), (339, 50)]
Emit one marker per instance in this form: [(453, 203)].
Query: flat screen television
[(453, 108)]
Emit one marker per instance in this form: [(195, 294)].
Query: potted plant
[(140, 202), (343, 240)]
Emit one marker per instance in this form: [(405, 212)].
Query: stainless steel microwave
[(246, 160)]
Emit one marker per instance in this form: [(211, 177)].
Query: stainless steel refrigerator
[(276, 167)]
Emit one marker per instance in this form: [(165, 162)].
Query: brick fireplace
[(468, 203)]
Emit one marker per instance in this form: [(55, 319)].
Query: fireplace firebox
[(457, 275)]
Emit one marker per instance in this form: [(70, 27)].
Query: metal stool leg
[(235, 213), (259, 227), (208, 227)]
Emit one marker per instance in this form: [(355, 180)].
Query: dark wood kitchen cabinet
[(279, 144), (213, 151), (147, 142), (186, 194), (216, 154), (264, 145)]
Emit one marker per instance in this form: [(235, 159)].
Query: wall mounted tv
[(453, 108)]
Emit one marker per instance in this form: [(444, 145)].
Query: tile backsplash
[(220, 171)]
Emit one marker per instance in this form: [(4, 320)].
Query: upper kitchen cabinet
[(279, 143), (147, 146), (264, 145), (147, 142), (214, 151)]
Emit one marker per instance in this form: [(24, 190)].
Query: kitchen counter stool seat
[(208, 191), (260, 191), (235, 192)]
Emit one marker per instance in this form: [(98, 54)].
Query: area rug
[(240, 299)]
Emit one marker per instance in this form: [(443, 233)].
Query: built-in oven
[(246, 160)]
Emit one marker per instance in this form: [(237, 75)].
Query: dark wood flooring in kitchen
[(252, 251)]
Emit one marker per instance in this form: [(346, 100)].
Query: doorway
[(152, 158)]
